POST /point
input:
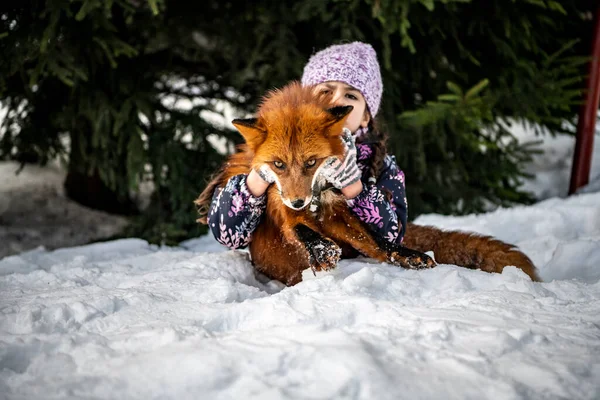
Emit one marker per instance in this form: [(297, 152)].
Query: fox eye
[(278, 164), (311, 163)]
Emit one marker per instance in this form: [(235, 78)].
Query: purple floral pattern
[(364, 151), (364, 207), (237, 204), (235, 213), (385, 218), (392, 235)]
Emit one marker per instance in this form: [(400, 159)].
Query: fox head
[(294, 132)]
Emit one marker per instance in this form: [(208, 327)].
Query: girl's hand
[(259, 181), (266, 173), (342, 174), (351, 191)]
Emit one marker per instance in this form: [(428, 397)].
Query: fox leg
[(350, 230), (275, 256), (282, 253), (323, 253)]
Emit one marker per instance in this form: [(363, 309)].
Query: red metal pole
[(582, 159)]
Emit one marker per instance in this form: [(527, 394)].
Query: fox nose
[(298, 203)]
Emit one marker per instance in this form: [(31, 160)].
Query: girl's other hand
[(258, 182)]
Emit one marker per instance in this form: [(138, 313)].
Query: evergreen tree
[(113, 86)]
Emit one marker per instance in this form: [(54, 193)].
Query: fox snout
[(297, 203), (298, 187), (296, 194)]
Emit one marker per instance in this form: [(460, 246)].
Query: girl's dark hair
[(377, 138)]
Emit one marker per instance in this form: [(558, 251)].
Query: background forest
[(132, 91)]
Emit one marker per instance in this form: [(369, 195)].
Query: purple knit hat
[(353, 63)]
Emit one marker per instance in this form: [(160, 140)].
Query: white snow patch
[(125, 319), (551, 170), (34, 211)]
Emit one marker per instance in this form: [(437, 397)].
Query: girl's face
[(343, 94)]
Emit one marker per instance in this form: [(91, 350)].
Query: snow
[(34, 211), (126, 319), (551, 170)]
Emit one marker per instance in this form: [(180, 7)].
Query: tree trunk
[(90, 190)]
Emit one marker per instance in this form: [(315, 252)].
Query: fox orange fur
[(294, 125)]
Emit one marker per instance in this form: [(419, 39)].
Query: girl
[(368, 177)]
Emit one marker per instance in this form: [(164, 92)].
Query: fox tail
[(468, 250)]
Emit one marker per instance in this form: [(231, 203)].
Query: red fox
[(302, 129)]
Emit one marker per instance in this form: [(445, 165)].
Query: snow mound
[(34, 211), (125, 319)]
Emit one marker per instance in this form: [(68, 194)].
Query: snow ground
[(34, 211), (125, 319), (551, 170)]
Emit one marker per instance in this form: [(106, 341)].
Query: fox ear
[(339, 112), (338, 117), (250, 130)]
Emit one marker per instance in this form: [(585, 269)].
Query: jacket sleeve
[(382, 205), (235, 213)]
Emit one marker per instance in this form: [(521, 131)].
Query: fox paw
[(324, 254), (415, 261)]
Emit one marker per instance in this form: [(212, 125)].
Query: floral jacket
[(235, 213)]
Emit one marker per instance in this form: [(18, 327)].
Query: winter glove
[(266, 173), (346, 172)]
